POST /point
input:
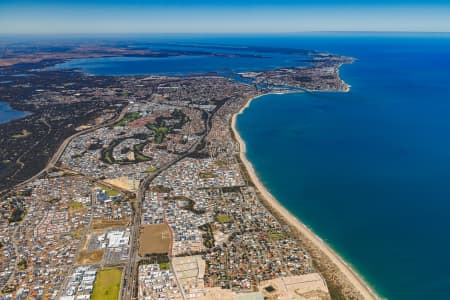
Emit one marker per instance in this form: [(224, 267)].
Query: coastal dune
[(335, 270)]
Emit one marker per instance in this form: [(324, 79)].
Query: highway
[(55, 158), (131, 270), (129, 279)]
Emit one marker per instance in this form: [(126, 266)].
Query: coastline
[(350, 275), (6, 109)]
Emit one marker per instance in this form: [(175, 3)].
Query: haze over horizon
[(201, 16)]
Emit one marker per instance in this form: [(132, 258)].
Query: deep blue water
[(187, 64), (8, 114), (368, 170)]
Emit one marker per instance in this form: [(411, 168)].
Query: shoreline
[(8, 109), (351, 275)]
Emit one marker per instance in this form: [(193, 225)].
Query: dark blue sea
[(368, 170)]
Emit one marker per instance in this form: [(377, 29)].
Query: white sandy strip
[(351, 275)]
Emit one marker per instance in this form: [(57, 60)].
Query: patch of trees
[(17, 215)]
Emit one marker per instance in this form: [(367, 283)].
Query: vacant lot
[(104, 223), (107, 284), (90, 257), (154, 239), (124, 183)]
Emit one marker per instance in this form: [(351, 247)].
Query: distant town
[(133, 187)]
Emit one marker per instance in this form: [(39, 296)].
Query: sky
[(225, 16)]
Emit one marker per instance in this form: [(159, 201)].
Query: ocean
[(368, 170)]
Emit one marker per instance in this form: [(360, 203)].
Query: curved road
[(52, 162), (131, 270), (129, 278)]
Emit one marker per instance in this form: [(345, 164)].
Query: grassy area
[(108, 157), (139, 147), (75, 205), (111, 192), (277, 235), (77, 233), (160, 132), (164, 265), (22, 264), (138, 157), (159, 137), (206, 174), (151, 169), (222, 218), (128, 119), (107, 284), (22, 135)]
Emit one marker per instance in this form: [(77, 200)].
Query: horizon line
[(225, 33)]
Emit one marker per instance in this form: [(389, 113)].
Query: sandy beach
[(323, 249)]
